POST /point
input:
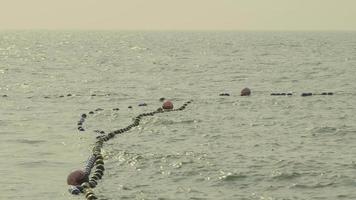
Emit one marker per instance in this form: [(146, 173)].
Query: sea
[(257, 147)]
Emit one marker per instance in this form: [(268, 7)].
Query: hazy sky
[(179, 14)]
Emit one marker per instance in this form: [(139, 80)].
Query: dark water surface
[(260, 147)]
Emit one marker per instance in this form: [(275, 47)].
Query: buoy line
[(83, 181)]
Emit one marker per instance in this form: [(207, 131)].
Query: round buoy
[(167, 105), (246, 92), (77, 177)]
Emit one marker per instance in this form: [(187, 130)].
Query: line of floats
[(247, 92), (82, 181), (244, 92)]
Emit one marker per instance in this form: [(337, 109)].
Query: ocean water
[(260, 147)]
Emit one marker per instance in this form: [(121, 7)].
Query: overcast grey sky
[(179, 14)]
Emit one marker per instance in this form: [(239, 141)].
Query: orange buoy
[(77, 177), (246, 92), (167, 105)]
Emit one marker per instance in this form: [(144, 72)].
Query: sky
[(179, 14)]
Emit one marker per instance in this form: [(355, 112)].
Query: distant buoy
[(167, 105), (224, 94), (246, 92), (77, 177)]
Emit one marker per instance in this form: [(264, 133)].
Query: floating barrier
[(84, 116), (79, 180), (281, 94), (306, 94), (99, 131), (81, 122), (247, 92), (327, 93), (244, 92), (48, 96)]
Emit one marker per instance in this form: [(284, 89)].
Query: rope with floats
[(79, 180)]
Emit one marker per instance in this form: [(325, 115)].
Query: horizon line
[(178, 30)]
